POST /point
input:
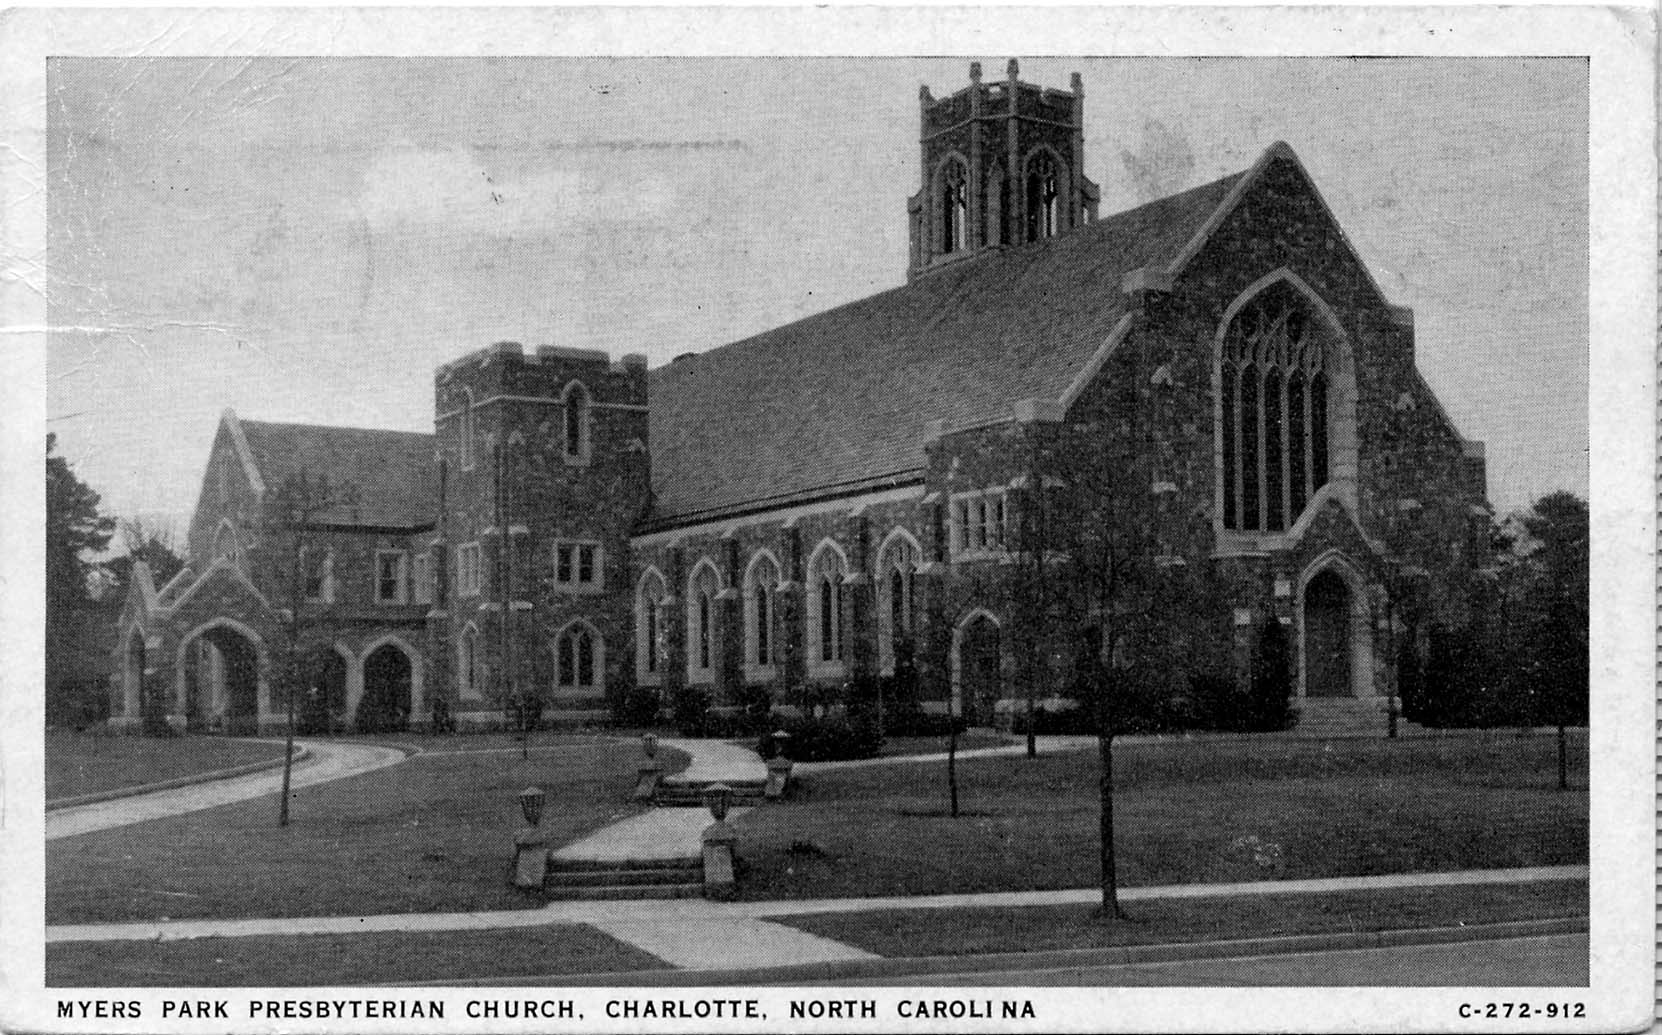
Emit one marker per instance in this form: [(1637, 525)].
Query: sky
[(307, 239)]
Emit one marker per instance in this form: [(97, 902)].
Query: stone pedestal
[(779, 771), (530, 857), (720, 850), (646, 785)]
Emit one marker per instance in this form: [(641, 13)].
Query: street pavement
[(1543, 961)]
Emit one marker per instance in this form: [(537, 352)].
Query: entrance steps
[(624, 878), (690, 793), (1322, 718)]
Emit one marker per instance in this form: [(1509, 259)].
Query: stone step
[(556, 864), (603, 878), (625, 891)]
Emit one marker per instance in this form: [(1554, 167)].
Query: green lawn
[(77, 763), (348, 959), (1255, 809), (965, 932), (431, 834)]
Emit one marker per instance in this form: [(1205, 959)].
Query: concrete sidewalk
[(717, 761), (637, 915), (672, 833), (327, 760)]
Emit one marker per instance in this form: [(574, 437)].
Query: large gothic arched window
[(1273, 391)]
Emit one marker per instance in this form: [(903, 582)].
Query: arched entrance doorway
[(323, 708), (979, 664), (1328, 658), (220, 669), (386, 702)]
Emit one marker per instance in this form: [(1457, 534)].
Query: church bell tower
[(1003, 165)]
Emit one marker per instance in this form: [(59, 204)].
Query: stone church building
[(785, 514)]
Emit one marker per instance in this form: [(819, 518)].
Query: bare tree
[(1100, 532), (292, 515)]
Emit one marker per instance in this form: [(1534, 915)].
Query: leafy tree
[(292, 517), (75, 531), (1556, 615), (149, 541)]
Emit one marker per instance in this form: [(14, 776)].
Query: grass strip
[(348, 959), (79, 763), (431, 834), (973, 931), (1184, 814)]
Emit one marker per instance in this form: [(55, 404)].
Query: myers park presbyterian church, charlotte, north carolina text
[(789, 514)]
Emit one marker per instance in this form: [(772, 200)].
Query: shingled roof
[(841, 399), (393, 471)]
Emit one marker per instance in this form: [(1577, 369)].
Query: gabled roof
[(393, 471), (842, 398)]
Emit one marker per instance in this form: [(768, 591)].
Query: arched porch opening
[(977, 667), (388, 698), (220, 668), (1335, 635)]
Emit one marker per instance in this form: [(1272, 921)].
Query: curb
[(301, 753), (1118, 956)]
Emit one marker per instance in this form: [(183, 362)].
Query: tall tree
[(1098, 558), (75, 531), (1557, 615), (292, 517)]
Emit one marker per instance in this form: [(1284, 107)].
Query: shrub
[(691, 711), (1077, 719), (78, 705), (631, 705), (1270, 689), (860, 696), (915, 722), (827, 739)]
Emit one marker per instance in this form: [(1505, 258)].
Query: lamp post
[(531, 843), (531, 801)]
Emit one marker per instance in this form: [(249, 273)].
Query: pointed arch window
[(575, 423), (648, 631), (1273, 412), (827, 572), (577, 658), (897, 564), (467, 429), (1043, 198), (702, 591), (954, 206), (761, 586), (469, 682)]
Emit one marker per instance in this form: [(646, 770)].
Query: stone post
[(646, 787), (720, 840), (531, 843)]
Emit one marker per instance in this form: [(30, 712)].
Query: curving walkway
[(327, 761), (672, 833)]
